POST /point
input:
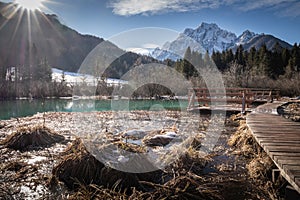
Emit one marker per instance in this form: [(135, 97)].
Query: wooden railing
[(221, 96)]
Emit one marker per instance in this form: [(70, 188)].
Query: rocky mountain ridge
[(210, 37)]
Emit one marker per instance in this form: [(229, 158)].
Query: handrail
[(244, 96)]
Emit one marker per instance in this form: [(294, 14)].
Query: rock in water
[(27, 138), (160, 140)]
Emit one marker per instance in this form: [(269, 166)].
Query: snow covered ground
[(76, 78)]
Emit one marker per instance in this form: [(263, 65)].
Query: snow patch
[(75, 78)]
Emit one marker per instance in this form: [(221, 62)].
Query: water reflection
[(22, 108)]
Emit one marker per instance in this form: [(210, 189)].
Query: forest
[(278, 68)]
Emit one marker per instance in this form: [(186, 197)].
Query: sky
[(107, 18)]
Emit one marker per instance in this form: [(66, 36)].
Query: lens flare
[(30, 4)]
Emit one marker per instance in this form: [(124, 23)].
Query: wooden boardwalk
[(280, 138)]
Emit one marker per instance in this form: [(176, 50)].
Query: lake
[(23, 108)]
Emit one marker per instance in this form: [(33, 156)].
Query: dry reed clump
[(26, 138), (294, 107), (81, 171), (96, 192), (260, 167), (294, 111), (190, 161), (244, 140), (79, 168), (235, 120), (189, 186), (130, 147)]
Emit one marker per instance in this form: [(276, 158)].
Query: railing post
[(191, 100), (243, 102)]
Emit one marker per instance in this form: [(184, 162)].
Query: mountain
[(245, 37), (269, 40), (26, 38), (211, 37), (29, 37)]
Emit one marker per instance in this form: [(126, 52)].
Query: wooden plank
[(286, 148), (292, 133), (288, 161), (274, 127), (295, 173), (287, 137), (283, 134), (279, 140), (280, 158), (279, 144), (283, 154), (273, 122), (292, 168), (278, 126)]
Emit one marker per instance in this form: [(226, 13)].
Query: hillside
[(30, 37)]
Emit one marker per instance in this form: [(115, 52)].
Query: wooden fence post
[(243, 102)]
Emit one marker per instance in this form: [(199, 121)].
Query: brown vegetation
[(26, 138), (259, 165), (81, 171), (290, 111)]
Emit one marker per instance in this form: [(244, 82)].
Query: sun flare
[(30, 5)]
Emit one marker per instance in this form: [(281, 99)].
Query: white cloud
[(152, 7), (291, 11), (135, 7), (257, 4)]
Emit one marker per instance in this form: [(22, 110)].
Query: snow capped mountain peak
[(205, 25), (210, 37), (245, 37), (205, 37)]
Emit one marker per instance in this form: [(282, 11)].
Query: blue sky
[(105, 18)]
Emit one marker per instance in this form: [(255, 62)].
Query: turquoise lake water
[(22, 108)]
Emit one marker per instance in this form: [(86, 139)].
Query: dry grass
[(260, 170), (79, 170), (243, 140), (190, 161), (186, 187), (130, 147), (260, 165), (77, 166), (27, 138)]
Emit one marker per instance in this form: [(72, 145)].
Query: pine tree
[(42, 71), (239, 55), (187, 67)]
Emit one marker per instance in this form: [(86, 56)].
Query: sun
[(30, 5)]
